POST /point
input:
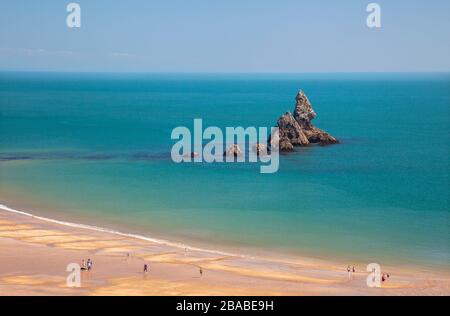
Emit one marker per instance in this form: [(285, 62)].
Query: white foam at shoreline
[(110, 231)]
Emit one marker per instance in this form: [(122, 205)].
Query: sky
[(294, 36)]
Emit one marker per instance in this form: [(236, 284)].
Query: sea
[(94, 148)]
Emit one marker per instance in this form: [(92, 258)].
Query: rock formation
[(304, 114), (260, 149), (233, 150), (290, 130), (297, 129)]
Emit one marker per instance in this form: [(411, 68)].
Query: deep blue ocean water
[(97, 147)]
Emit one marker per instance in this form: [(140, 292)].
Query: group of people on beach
[(350, 271), (86, 265)]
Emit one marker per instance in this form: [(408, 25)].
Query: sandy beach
[(34, 254)]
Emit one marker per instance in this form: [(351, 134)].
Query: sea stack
[(297, 129)]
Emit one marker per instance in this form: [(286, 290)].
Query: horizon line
[(227, 72)]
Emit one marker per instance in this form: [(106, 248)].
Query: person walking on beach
[(83, 264), (89, 264), (349, 272), (145, 268), (201, 272)]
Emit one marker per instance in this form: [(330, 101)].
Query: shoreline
[(28, 206), (43, 210), (119, 257), (50, 213), (6, 208)]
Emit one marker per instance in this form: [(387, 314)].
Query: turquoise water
[(97, 147)]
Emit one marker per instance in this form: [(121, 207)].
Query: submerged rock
[(297, 129)]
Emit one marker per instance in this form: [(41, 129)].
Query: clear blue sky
[(225, 36)]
